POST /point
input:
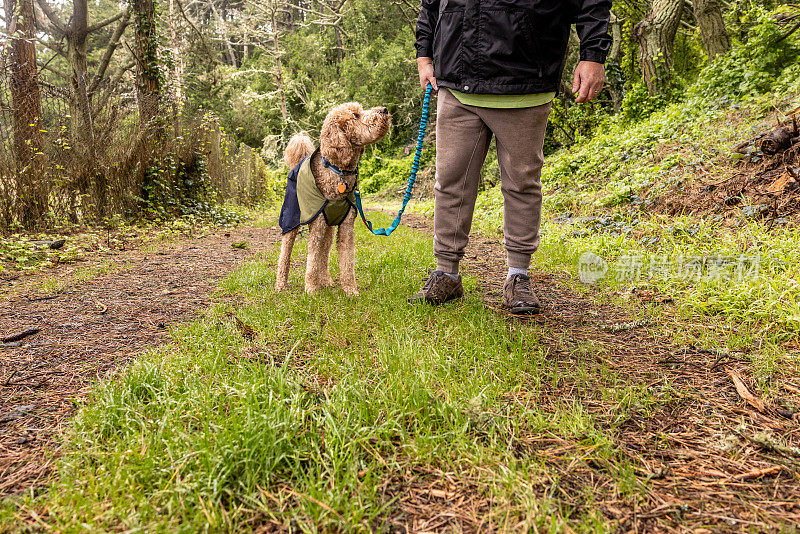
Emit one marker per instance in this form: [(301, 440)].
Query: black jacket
[(508, 46)]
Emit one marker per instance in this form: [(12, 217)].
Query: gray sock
[(516, 270), (449, 267)]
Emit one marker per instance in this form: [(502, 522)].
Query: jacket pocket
[(447, 42), (509, 44)]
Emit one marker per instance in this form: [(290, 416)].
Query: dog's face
[(349, 127)]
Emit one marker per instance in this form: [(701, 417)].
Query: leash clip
[(342, 188)]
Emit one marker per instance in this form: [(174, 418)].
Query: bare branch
[(194, 28), (54, 70), (115, 79), (110, 20), (55, 47), (112, 46), (52, 17)]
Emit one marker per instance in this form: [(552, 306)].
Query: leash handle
[(423, 125)]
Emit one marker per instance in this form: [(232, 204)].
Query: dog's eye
[(357, 115)]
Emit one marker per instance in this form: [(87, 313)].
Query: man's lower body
[(463, 135)]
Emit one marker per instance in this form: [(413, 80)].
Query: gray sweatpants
[(463, 134)]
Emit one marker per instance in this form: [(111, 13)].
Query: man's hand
[(425, 68), (589, 80)]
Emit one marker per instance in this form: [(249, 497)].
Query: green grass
[(319, 422)]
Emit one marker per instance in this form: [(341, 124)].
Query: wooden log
[(777, 140), (11, 338), (54, 244)]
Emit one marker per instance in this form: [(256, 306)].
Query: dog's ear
[(333, 139)]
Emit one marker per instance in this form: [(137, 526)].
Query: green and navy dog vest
[(303, 202)]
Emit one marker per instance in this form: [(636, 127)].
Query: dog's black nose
[(384, 111)]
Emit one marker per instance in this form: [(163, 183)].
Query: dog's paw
[(311, 289), (351, 291)]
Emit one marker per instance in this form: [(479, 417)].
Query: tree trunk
[(336, 9), (33, 188), (289, 18), (656, 37), (716, 40), (148, 79), (276, 49), (337, 33), (615, 54), (225, 37), (148, 89), (614, 60), (176, 43), (81, 120), (279, 82), (247, 52)]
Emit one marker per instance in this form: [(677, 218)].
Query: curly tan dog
[(347, 129)]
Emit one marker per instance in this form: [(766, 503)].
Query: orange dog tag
[(342, 189)]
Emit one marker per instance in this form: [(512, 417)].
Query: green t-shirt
[(504, 101)]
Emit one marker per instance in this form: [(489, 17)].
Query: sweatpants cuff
[(446, 266), (518, 260)]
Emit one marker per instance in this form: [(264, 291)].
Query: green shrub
[(751, 67), (378, 172)]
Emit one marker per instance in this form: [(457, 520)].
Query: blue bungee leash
[(423, 124)]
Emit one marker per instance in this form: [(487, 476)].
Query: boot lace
[(430, 281), (521, 285)]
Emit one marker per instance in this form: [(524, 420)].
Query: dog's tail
[(300, 146)]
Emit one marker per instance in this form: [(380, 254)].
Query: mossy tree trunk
[(656, 36), (716, 40), (32, 185), (148, 77), (148, 89)]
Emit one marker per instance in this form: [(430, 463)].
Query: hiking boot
[(438, 289), (518, 297)]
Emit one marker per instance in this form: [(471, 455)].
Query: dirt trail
[(90, 328), (707, 458)]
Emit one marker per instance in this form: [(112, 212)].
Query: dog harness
[(304, 202)]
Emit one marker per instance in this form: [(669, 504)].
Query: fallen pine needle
[(745, 394), (441, 494), (791, 388), (752, 475), (312, 499)]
